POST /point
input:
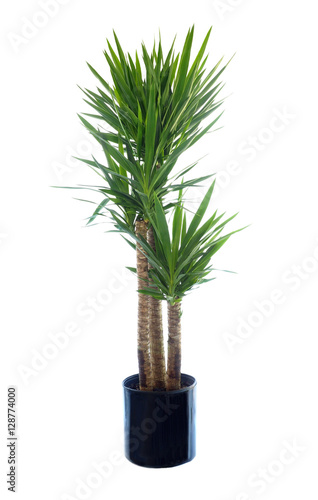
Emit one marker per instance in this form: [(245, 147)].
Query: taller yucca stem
[(174, 347), (156, 332), (144, 362)]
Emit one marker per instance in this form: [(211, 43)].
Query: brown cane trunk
[(144, 362), (158, 362), (174, 347)]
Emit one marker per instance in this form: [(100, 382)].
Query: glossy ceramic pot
[(160, 425)]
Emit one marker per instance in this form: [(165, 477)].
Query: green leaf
[(162, 230), (132, 269), (97, 211), (117, 62), (202, 50), (150, 135), (152, 293), (140, 132), (198, 216), (177, 228), (120, 51), (183, 66), (99, 77)]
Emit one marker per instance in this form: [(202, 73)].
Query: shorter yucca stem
[(174, 347), (144, 362)]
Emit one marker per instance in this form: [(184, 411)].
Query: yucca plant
[(146, 118), (153, 111)]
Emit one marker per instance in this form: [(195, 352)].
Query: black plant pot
[(160, 425)]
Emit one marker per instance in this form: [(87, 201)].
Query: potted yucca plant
[(146, 118)]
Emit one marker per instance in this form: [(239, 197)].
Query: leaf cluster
[(183, 253), (153, 110), (149, 115)]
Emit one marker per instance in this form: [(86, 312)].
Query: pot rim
[(175, 391)]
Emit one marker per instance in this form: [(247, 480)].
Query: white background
[(248, 338)]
